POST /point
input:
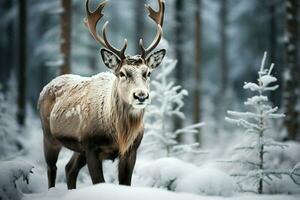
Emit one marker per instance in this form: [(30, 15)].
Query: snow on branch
[(190, 129), (241, 162), (10, 172), (243, 114), (188, 148), (167, 102), (256, 121), (241, 122), (295, 174)]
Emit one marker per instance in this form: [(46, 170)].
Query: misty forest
[(204, 103)]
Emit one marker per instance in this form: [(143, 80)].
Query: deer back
[(79, 106)]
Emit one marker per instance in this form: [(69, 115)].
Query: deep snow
[(114, 192), (205, 179)]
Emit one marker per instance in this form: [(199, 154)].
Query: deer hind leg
[(51, 151), (73, 167)]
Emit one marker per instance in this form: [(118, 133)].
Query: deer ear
[(111, 60), (155, 58)]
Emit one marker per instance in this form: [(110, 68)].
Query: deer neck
[(128, 120)]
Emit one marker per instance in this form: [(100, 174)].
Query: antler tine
[(157, 17), (91, 22), (121, 52)]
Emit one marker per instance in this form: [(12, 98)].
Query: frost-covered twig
[(189, 129), (188, 148), (241, 122), (167, 101), (241, 162)]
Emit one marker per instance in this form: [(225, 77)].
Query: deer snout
[(141, 96)]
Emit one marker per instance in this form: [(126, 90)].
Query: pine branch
[(244, 148), (241, 122), (240, 162), (188, 148), (190, 129), (243, 114)]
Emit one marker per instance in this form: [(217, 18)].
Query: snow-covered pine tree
[(256, 123), (9, 132), (167, 101)]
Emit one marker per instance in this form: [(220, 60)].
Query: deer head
[(132, 72)]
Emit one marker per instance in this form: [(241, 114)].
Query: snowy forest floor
[(153, 178), (114, 192)]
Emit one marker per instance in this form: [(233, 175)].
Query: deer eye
[(145, 75), (122, 75)]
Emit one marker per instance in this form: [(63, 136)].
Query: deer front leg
[(94, 166), (126, 165)]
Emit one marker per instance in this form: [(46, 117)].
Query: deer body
[(92, 98), (100, 117)]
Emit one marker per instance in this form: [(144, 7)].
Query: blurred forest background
[(218, 44)]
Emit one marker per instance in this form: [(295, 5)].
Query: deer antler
[(158, 18), (91, 22)]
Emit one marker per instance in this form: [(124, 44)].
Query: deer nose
[(140, 96)]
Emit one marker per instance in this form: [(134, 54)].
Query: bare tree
[(272, 30), (223, 49), (139, 22), (178, 33), (197, 91), (275, 96), (221, 98), (291, 75), (6, 45), (65, 46), (22, 63)]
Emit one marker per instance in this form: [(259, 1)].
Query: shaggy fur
[(98, 117), (76, 107)]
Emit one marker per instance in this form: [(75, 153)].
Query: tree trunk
[(261, 167), (272, 30), (178, 33), (261, 146), (197, 92), (6, 47), (221, 98), (291, 75), (139, 23), (65, 46), (276, 96), (223, 50), (22, 63)]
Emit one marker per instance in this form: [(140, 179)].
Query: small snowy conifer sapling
[(256, 122), (167, 101)]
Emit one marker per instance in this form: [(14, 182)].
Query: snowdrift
[(116, 192)]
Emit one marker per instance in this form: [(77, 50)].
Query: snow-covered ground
[(115, 192), (23, 173), (164, 178)]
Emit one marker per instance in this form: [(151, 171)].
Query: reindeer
[(100, 117)]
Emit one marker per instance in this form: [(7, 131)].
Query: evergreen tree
[(167, 103), (256, 122)]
